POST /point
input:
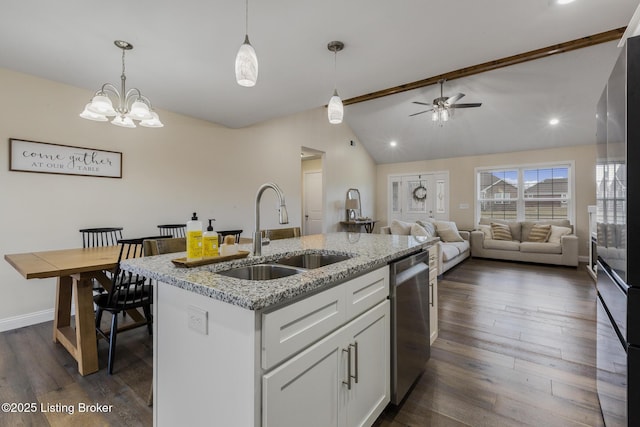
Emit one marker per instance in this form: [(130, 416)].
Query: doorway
[(312, 191), (419, 196)]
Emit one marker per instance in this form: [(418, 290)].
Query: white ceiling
[(184, 55)]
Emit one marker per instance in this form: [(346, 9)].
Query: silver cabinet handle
[(348, 381), (432, 302), (355, 345)]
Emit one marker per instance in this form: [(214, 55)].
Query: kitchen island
[(307, 349)]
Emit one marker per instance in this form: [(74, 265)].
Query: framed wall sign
[(44, 157)]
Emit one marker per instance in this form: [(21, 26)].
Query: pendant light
[(246, 59), (335, 109)]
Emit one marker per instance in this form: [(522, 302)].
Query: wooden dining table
[(75, 270)]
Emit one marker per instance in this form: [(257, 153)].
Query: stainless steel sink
[(261, 272), (312, 260)]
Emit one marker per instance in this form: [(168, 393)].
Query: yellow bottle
[(194, 239), (210, 242)]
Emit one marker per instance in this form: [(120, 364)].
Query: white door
[(312, 221), (419, 196)]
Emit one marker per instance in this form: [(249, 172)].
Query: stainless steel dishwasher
[(410, 346)]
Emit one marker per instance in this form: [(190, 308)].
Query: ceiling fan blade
[(422, 103), (453, 99), (471, 105), (421, 112)]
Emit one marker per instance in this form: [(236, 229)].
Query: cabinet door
[(306, 390), (370, 365), (433, 293)]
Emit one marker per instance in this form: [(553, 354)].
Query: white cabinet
[(433, 292), (342, 380), (281, 367)]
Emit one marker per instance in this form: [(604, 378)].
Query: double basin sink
[(283, 267)]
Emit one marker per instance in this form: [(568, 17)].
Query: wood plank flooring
[(516, 347)]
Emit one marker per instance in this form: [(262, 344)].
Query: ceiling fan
[(442, 107)]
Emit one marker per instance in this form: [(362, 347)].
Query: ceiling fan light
[(139, 111), (335, 109), (101, 104), (153, 122), (246, 64), (435, 116), (123, 121), (89, 115), (444, 114)]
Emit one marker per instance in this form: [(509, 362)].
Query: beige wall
[(189, 165), (462, 181)]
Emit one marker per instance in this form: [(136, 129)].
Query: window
[(525, 193)]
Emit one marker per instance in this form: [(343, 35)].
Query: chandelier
[(130, 104)]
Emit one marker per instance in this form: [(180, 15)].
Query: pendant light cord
[(246, 17), (335, 68)]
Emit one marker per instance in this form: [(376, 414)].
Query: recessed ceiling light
[(564, 1), (554, 121), (393, 143)]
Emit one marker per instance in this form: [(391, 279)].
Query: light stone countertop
[(370, 251)]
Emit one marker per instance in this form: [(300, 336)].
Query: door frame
[(434, 174)]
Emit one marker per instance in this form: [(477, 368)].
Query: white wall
[(189, 165), (462, 181)]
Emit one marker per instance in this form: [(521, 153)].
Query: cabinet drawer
[(293, 327), (366, 291), (433, 256)]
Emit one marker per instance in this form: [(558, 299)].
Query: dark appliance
[(618, 248), (410, 337)]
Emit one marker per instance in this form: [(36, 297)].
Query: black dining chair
[(128, 291), (173, 230), (102, 236)]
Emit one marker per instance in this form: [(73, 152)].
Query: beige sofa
[(559, 248), (453, 247)]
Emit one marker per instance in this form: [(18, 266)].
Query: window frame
[(520, 201)]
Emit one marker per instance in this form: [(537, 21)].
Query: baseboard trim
[(584, 259), (20, 321)]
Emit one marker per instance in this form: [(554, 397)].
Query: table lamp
[(352, 206)]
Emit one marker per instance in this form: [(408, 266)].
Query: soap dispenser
[(210, 242), (194, 239)]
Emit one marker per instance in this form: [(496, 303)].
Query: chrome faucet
[(283, 215)]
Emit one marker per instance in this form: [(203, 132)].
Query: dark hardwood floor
[(516, 347)]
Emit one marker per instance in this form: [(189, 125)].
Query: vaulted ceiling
[(184, 55)]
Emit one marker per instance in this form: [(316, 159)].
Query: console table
[(357, 225)]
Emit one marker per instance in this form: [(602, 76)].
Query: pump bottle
[(194, 239), (210, 242)]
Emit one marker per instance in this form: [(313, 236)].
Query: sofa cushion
[(461, 246), (538, 233), (541, 248), (448, 231), (428, 225), (501, 232), (400, 227), (505, 245), (557, 232), (514, 226), (486, 229), (449, 251), (418, 230), (528, 225)]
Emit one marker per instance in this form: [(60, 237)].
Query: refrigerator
[(618, 241)]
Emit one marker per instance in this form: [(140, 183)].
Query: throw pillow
[(448, 231), (539, 233), (500, 231), (400, 227), (557, 232), (486, 229), (418, 230), (428, 225)]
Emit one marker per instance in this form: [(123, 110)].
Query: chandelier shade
[(335, 109), (246, 64), (130, 104)]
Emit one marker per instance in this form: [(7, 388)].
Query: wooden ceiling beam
[(532, 55)]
